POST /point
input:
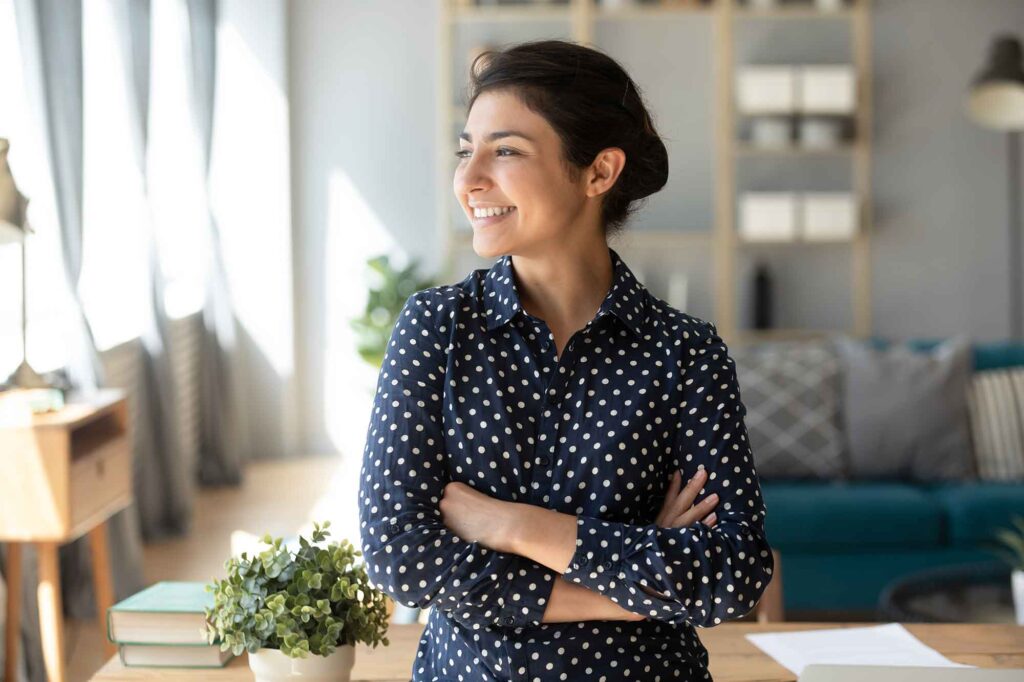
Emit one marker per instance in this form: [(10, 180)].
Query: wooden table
[(65, 473), (732, 657)]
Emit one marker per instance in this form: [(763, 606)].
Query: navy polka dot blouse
[(472, 390)]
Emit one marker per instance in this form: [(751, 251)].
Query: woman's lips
[(491, 220)]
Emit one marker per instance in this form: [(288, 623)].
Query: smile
[(492, 219)]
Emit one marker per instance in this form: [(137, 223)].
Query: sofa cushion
[(904, 412), (852, 515), (976, 509), (995, 403), (791, 394)]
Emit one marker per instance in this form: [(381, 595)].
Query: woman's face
[(512, 157)]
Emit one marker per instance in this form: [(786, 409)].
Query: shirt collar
[(625, 299)]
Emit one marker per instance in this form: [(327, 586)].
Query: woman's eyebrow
[(495, 135)]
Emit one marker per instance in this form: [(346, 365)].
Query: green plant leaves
[(389, 289), (307, 602), (1010, 543)]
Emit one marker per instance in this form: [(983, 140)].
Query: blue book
[(169, 612)]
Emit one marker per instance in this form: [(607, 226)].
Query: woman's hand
[(477, 517), (678, 509)]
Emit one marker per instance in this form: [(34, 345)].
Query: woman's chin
[(487, 250), (487, 246)]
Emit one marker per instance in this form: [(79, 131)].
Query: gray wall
[(362, 78)]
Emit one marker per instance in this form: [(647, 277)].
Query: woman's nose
[(472, 175)]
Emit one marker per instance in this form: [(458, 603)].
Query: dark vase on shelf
[(762, 297)]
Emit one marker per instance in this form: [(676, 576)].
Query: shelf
[(769, 243), (651, 11), (795, 12), (510, 13), (721, 245), (793, 150)]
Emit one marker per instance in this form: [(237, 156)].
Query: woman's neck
[(565, 287)]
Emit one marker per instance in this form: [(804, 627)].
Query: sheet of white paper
[(889, 644)]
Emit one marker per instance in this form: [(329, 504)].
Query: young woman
[(556, 460)]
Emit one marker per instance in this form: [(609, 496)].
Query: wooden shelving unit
[(579, 18)]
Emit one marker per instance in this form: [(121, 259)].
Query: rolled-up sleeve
[(409, 553), (703, 575)]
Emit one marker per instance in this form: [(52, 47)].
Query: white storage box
[(825, 89), (765, 90), (768, 216), (828, 216)]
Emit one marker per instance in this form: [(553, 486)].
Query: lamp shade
[(996, 98), (13, 204)]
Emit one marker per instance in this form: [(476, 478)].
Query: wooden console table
[(732, 657), (65, 474)]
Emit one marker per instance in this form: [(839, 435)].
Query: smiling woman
[(557, 461), (539, 115)]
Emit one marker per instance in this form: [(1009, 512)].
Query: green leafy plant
[(1010, 545), (389, 289), (309, 602)]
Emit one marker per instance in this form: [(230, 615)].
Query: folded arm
[(693, 573), (409, 552)]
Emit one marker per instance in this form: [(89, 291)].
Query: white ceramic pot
[(1017, 582), (270, 665)]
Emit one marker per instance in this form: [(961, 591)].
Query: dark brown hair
[(592, 104)]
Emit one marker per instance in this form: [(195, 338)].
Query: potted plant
[(297, 614), (1012, 551), (389, 287)]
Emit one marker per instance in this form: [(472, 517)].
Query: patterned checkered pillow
[(995, 404), (791, 392)]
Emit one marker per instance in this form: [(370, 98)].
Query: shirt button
[(395, 528), (509, 620), (543, 461), (607, 564)]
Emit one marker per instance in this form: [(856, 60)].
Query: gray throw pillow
[(904, 411), (791, 392)]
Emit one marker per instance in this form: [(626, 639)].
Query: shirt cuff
[(528, 595), (598, 548)]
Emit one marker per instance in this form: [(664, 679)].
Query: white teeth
[(487, 212)]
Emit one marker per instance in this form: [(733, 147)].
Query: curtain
[(223, 422), (164, 482), (50, 36)]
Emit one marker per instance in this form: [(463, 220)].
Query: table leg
[(102, 581), (12, 632), (51, 612)]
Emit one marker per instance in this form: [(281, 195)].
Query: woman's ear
[(605, 170)]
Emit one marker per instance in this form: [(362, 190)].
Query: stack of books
[(164, 625)]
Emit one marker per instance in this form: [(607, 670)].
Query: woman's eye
[(463, 153)]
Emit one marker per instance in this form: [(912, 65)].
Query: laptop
[(820, 672)]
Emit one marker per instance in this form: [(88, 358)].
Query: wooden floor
[(280, 498)]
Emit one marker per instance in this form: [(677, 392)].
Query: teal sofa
[(841, 542)]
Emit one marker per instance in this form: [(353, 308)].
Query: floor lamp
[(996, 101), (14, 227)]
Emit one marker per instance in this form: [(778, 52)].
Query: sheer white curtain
[(176, 172), (47, 303)]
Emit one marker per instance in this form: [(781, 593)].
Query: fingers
[(710, 520), (670, 494), (684, 500)]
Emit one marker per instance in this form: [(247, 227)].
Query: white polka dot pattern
[(473, 389)]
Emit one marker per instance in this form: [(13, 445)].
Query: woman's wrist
[(570, 602)]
